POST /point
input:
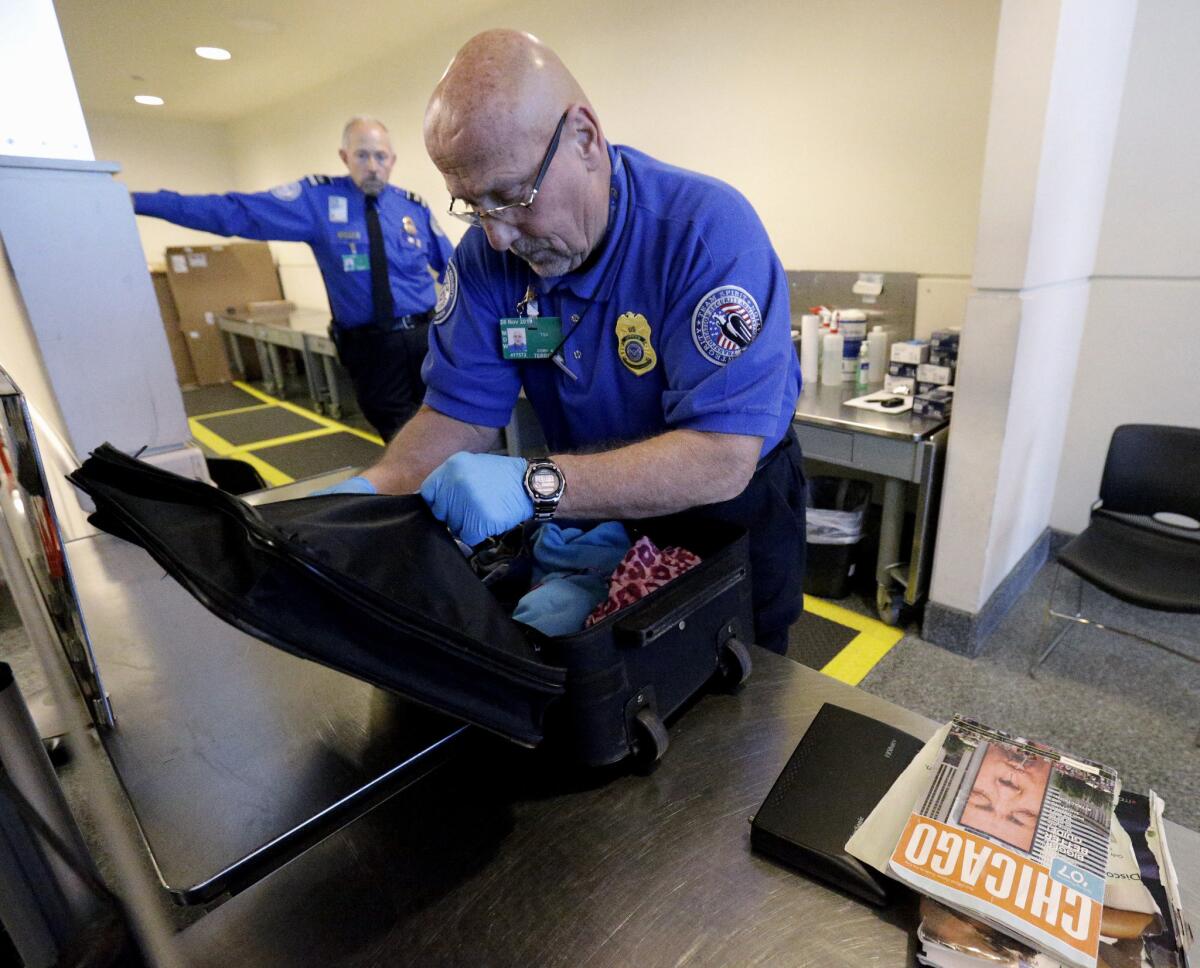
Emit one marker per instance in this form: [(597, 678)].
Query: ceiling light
[(213, 53), (147, 99)]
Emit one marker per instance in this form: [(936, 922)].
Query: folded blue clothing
[(571, 568)]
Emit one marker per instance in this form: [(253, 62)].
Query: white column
[(1059, 76)]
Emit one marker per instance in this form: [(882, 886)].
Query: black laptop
[(841, 769)]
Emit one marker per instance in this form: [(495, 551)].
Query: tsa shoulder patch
[(725, 321), (448, 295), (287, 193)]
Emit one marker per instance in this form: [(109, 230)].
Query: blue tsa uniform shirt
[(680, 320), (330, 215)]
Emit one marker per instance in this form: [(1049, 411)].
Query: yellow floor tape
[(873, 642), (249, 452)]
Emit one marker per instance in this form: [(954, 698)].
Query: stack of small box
[(925, 369), (935, 379)]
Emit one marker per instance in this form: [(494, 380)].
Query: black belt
[(376, 329), (786, 442)]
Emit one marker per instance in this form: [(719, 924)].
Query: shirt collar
[(596, 280)]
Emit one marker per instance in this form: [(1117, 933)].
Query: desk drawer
[(821, 443), (888, 456)]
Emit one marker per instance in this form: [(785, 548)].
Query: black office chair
[(1142, 544)]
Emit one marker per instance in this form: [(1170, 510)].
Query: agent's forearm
[(421, 445), (661, 475)]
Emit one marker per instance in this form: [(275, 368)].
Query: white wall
[(855, 128), (1142, 335), (154, 153)]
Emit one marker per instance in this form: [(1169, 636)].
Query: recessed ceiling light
[(147, 99), (213, 53)]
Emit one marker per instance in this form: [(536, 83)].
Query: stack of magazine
[(1027, 857)]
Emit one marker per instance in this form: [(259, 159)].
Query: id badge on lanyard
[(530, 336)]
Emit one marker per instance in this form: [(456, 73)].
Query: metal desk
[(501, 859), (235, 756), (905, 450), (305, 331)]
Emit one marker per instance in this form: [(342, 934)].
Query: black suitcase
[(376, 587)]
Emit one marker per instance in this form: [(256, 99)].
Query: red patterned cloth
[(643, 569)]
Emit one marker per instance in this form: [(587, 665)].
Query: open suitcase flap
[(371, 586)]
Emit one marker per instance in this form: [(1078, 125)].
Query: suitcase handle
[(643, 626)]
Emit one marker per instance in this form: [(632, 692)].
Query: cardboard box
[(944, 340), (936, 403), (185, 372), (902, 369), (277, 310), (211, 280), (206, 346), (910, 351), (932, 373)]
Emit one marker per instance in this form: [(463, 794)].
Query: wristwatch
[(545, 484)]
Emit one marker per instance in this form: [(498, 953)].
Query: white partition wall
[(1060, 70)]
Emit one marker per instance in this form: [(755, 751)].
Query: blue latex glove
[(352, 485), (478, 495)]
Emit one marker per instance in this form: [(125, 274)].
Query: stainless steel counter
[(235, 756), (303, 330), (502, 858), (825, 406), (906, 451)]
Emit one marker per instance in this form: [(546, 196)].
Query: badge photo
[(726, 320), (633, 343), (339, 209)]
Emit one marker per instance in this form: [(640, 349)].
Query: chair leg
[(1046, 623)]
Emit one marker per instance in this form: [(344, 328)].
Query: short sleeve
[(729, 358), (465, 373)]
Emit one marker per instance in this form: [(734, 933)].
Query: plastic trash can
[(837, 508)]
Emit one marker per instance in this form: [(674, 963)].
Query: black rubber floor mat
[(813, 640), (258, 425), (214, 399), (304, 458)]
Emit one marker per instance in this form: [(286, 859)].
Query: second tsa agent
[(378, 248)]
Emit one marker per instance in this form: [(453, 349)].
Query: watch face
[(544, 482)]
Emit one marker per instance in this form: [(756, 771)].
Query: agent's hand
[(352, 485), (478, 495)]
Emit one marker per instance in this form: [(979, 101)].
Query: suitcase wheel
[(734, 664), (650, 738)]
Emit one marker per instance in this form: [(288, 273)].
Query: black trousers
[(772, 510), (385, 368)]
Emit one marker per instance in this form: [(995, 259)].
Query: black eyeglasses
[(468, 213)]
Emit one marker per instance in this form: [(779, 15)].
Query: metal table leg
[(235, 352), (891, 525), (335, 399), (314, 392), (276, 369)]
